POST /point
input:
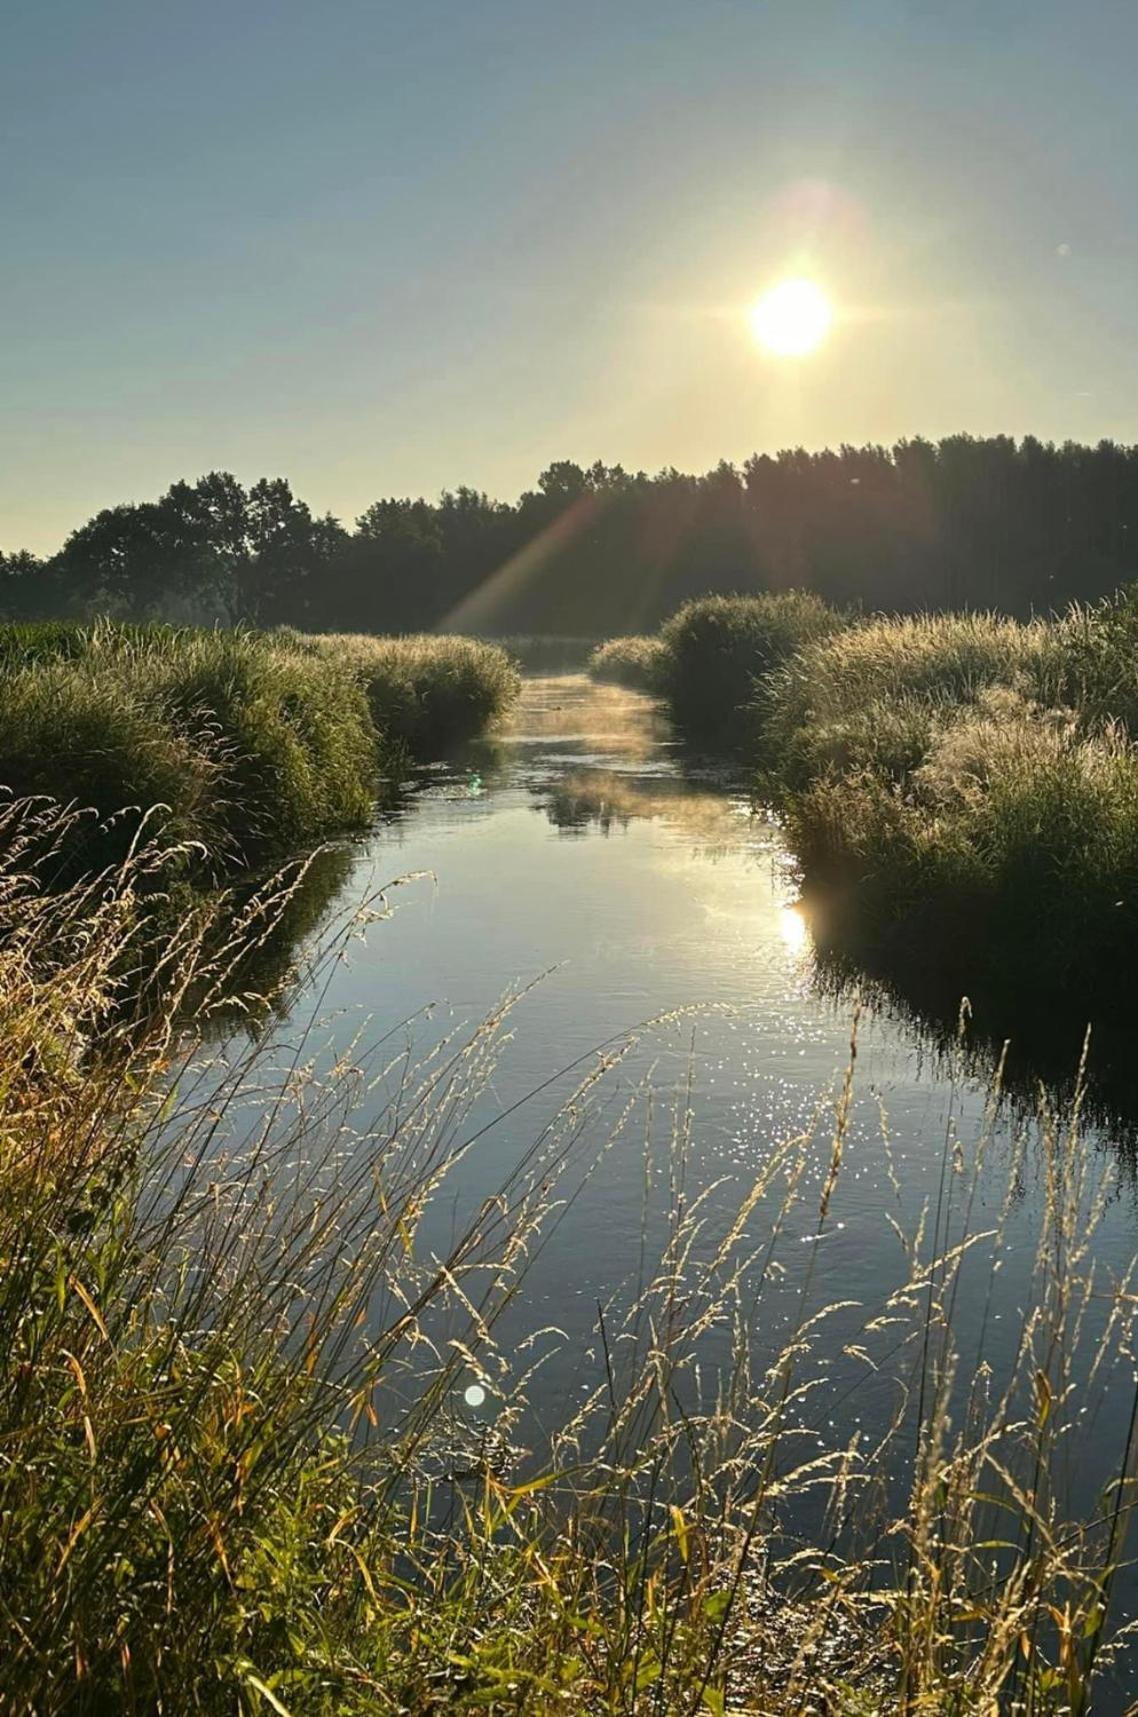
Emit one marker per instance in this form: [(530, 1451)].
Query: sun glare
[(792, 319), (795, 931)]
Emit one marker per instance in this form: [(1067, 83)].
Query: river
[(641, 901)]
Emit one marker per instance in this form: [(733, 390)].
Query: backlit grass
[(236, 1473), (425, 692), (633, 661), (249, 745), (718, 651), (961, 789)]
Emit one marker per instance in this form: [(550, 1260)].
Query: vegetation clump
[(633, 661), (425, 692), (961, 790), (244, 745), (719, 649), (965, 784)]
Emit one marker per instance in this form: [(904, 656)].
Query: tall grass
[(251, 745), (426, 692), (960, 789), (719, 649), (632, 661), (963, 782), (871, 694), (236, 1475)]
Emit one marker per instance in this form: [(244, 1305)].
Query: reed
[(719, 650), (426, 692), (235, 1472), (969, 785), (246, 746), (634, 661), (959, 789)]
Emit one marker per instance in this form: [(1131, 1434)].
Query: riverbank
[(253, 745), (961, 790), (267, 1447)]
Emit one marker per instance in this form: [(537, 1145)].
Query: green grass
[(234, 1477), (632, 661), (870, 694), (251, 745), (427, 693), (719, 649), (961, 790), (960, 786)]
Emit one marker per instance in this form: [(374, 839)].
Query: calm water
[(578, 855)]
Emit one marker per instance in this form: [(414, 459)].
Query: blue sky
[(388, 248)]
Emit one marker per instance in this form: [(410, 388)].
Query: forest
[(1021, 527)]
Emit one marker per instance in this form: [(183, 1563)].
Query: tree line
[(964, 522)]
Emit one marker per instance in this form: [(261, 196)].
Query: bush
[(720, 648), (633, 661)]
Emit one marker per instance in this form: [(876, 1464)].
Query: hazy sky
[(386, 248)]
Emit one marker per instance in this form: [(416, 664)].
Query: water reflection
[(647, 775), (604, 800), (1039, 1049), (795, 930), (590, 721), (260, 944), (596, 760), (581, 845)]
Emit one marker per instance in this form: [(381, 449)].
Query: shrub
[(633, 661), (719, 650)]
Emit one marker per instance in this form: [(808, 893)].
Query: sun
[(792, 319)]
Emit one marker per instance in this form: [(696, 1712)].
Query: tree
[(965, 521), (288, 555)]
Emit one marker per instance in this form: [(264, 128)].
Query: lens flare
[(792, 319)]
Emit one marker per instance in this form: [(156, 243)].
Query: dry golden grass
[(233, 1476)]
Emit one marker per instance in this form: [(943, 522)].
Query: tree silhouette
[(593, 550)]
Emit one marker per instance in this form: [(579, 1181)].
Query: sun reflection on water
[(795, 932)]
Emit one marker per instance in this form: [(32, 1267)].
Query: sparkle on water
[(645, 891)]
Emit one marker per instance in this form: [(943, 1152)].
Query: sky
[(390, 248)]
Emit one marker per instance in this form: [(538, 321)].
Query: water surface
[(577, 854)]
